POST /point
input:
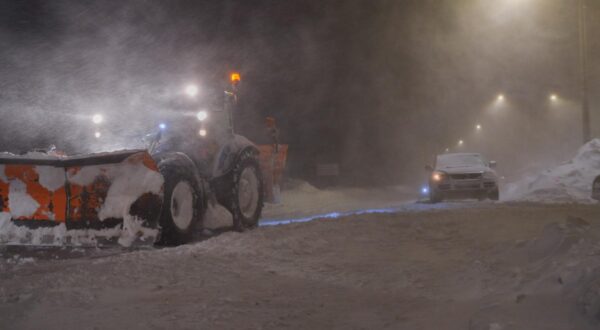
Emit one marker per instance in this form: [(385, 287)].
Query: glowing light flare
[(162, 126), (461, 142), (436, 177), (500, 98), (478, 127), (97, 119), (425, 190), (191, 90), (97, 135), (235, 78), (202, 132), (553, 97), (202, 115)]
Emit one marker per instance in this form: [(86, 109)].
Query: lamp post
[(585, 110)]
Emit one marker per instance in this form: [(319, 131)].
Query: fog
[(378, 87)]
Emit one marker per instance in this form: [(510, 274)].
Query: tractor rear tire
[(246, 198)]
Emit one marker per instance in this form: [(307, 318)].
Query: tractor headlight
[(437, 176), (202, 115)]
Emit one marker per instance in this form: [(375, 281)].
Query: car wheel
[(435, 197), (180, 208), (494, 195), (246, 200), (596, 189)]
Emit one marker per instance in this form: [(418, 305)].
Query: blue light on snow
[(162, 125), (332, 215)]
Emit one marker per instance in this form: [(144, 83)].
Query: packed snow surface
[(479, 266), (302, 201), (568, 182)]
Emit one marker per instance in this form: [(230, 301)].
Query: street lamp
[(585, 110), (553, 97), (500, 98), (478, 127), (97, 135), (191, 90), (461, 142), (202, 115), (97, 119)]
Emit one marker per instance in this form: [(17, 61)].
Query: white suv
[(462, 175)]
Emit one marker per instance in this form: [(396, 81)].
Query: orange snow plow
[(118, 190)]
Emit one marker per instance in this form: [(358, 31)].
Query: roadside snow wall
[(570, 182)]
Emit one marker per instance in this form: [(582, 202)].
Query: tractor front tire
[(180, 212)]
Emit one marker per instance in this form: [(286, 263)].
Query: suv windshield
[(459, 160)]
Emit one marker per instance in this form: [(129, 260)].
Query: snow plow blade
[(46, 200)]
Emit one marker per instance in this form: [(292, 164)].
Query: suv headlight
[(437, 176)]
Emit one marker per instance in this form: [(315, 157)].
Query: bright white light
[(191, 90), (97, 118), (461, 142), (478, 127), (553, 97), (97, 135), (425, 190), (162, 126), (202, 132), (202, 115), (500, 98)]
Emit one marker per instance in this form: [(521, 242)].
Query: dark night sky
[(378, 86)]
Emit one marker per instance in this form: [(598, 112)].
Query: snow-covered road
[(448, 266)]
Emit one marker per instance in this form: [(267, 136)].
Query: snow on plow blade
[(77, 200)]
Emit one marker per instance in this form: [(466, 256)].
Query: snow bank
[(566, 183), (131, 231), (217, 216)]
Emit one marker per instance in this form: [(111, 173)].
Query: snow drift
[(567, 183)]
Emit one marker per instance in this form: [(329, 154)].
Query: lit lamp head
[(191, 90), (97, 119), (235, 78), (202, 115)]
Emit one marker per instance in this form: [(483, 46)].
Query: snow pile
[(568, 182), (217, 216), (131, 231)]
